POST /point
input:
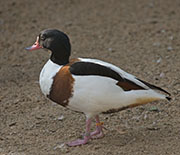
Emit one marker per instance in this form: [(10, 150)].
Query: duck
[(87, 85)]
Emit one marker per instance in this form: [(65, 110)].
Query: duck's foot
[(79, 141), (87, 136), (97, 134)]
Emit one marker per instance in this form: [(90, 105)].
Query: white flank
[(46, 76), (95, 94)]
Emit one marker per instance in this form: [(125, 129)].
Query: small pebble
[(161, 75), (54, 104), (157, 44), (59, 146), (159, 60), (163, 31), (171, 37), (110, 49), (154, 109), (169, 48), (12, 124), (60, 118), (153, 128), (145, 116)]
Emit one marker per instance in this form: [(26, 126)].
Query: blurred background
[(142, 37)]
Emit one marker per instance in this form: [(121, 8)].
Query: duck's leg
[(86, 138), (98, 133)]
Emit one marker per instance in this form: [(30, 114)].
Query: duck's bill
[(35, 46)]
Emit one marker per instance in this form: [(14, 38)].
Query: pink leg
[(87, 136), (98, 133)]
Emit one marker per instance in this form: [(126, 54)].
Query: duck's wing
[(88, 67)]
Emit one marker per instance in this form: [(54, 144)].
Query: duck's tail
[(157, 88)]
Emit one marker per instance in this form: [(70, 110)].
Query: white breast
[(46, 76)]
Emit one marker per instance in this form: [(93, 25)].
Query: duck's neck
[(60, 60)]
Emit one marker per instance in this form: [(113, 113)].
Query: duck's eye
[(43, 37)]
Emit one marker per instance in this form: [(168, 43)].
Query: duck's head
[(55, 41)]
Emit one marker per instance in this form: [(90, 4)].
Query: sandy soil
[(142, 37)]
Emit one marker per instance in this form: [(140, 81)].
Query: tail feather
[(168, 98), (157, 88)]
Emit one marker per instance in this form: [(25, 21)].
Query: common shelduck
[(87, 85)]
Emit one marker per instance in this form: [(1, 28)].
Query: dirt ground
[(140, 36)]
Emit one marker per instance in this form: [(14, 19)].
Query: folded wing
[(88, 67)]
